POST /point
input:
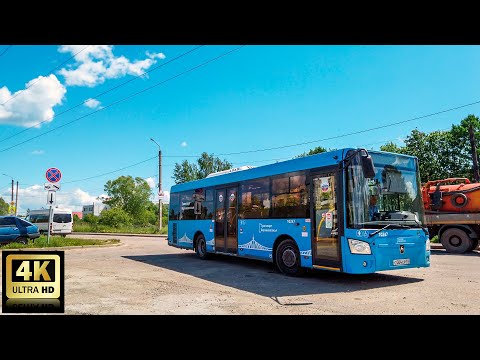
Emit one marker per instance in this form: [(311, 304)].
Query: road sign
[(53, 175), (52, 186), (51, 197), (11, 209), (12, 203)]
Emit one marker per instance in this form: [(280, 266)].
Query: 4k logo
[(33, 281)]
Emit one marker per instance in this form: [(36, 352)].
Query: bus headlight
[(359, 247), (427, 245)]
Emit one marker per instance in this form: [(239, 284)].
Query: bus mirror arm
[(367, 162)]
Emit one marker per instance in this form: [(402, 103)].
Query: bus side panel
[(186, 230), (256, 237)]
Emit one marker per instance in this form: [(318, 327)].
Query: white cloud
[(151, 182), (97, 63), (92, 103), (35, 197), (184, 144), (32, 105), (38, 152)]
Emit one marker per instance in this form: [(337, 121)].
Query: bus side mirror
[(367, 166)]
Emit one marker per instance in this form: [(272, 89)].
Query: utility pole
[(476, 176), (160, 192), (16, 200), (11, 200)]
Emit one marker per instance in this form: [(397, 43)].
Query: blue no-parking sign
[(53, 175)]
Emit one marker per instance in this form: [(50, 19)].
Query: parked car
[(14, 229), (62, 221)]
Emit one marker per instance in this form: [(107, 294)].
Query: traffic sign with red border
[(53, 175)]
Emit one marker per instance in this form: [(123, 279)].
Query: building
[(78, 213), (94, 209)]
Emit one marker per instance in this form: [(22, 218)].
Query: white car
[(62, 220)]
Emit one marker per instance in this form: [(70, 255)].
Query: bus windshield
[(392, 197)]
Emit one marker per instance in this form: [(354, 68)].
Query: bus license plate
[(401, 262)]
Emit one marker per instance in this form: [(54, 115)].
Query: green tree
[(206, 164), (467, 146), (438, 154), (3, 207), (391, 147), (316, 150), (115, 217), (184, 172), (129, 194)]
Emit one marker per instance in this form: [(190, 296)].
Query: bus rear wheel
[(456, 241), (201, 247), (287, 258)]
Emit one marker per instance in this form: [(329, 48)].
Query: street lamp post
[(160, 192)]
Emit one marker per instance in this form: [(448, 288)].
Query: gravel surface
[(143, 275)]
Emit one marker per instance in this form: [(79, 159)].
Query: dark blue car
[(14, 229)]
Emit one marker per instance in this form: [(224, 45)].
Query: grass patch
[(99, 228), (58, 241)]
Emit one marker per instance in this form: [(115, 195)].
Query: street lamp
[(160, 192)]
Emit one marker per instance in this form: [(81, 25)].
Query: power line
[(391, 140), (152, 176), (126, 98), (352, 133), (103, 93), (38, 79), (111, 172), (6, 49)]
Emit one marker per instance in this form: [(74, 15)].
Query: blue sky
[(257, 97)]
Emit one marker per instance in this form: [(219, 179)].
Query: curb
[(119, 234)]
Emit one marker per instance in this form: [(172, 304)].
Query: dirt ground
[(144, 275)]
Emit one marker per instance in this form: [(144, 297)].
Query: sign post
[(53, 175)]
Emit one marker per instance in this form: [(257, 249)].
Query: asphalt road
[(144, 275)]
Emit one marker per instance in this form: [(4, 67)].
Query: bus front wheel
[(287, 258), (201, 247)]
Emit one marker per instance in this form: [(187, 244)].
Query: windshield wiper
[(386, 227)]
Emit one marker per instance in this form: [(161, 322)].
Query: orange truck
[(452, 211)]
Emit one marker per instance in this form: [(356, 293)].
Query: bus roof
[(307, 162)]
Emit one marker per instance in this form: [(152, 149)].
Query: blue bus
[(348, 210)]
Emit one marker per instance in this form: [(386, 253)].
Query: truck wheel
[(474, 244), (456, 241)]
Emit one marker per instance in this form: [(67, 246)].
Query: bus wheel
[(201, 248), (288, 258), (456, 241)]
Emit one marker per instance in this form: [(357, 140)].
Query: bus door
[(325, 241), (226, 235)]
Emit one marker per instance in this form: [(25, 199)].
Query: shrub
[(90, 218), (115, 217)]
